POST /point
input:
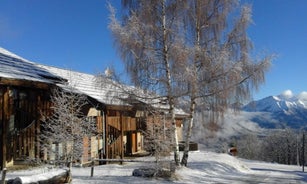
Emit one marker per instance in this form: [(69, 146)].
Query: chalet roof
[(106, 90), (15, 67), (102, 89)]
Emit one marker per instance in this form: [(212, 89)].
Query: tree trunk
[(193, 83), (297, 151), (169, 87), (184, 160), (303, 152), (176, 144)]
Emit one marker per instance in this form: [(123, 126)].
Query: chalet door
[(129, 144)]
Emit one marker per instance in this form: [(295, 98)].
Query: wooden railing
[(116, 125), (114, 122), (115, 148), (129, 124)]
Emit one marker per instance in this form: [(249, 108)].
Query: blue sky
[(73, 34)]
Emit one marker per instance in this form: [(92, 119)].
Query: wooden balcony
[(128, 123)]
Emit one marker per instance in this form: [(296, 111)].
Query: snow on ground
[(34, 175), (203, 167), (207, 167)]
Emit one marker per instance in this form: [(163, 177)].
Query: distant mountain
[(285, 110), (259, 117)]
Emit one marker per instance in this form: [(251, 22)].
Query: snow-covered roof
[(106, 90), (15, 67), (102, 89)]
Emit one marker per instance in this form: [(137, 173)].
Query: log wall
[(20, 122)]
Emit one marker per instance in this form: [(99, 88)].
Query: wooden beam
[(121, 137), (5, 117), (25, 83), (107, 146), (37, 132), (119, 107), (1, 130)]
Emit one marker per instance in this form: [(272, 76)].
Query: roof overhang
[(25, 83)]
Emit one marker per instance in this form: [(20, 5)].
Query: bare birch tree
[(220, 70), (66, 127), (193, 49), (146, 43)]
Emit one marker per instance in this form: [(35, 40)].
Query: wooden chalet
[(25, 89)]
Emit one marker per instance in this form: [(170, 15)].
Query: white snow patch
[(203, 167), (8, 53), (276, 98), (34, 175)]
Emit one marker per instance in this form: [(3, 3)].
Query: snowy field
[(204, 167)]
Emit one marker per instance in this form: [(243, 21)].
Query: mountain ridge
[(286, 110)]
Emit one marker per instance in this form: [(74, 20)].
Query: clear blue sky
[(73, 34)]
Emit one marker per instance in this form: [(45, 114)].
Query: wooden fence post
[(92, 168)]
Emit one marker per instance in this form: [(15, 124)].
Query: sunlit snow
[(203, 167)]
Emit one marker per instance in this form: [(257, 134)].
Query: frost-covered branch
[(63, 132)]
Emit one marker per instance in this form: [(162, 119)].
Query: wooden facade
[(119, 131), (20, 117), (122, 130), (20, 109), (119, 135), (22, 101)]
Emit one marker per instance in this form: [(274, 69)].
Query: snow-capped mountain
[(285, 110)]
